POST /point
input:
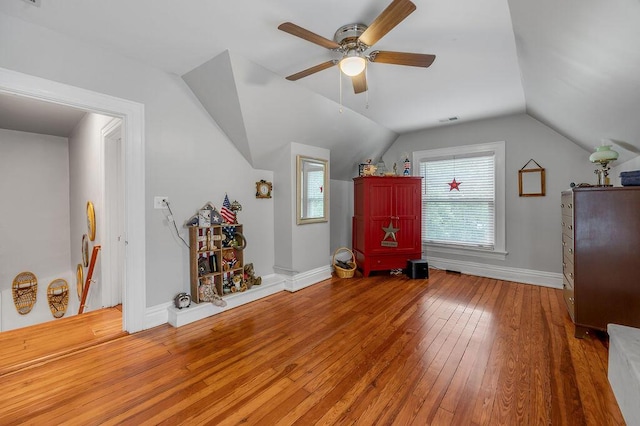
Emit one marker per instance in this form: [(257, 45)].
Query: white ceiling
[(576, 63), (35, 116), (475, 74)]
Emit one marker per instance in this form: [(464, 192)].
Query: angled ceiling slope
[(580, 69), (214, 86), (262, 113)]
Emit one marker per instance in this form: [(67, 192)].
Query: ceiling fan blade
[(312, 70), (387, 20), (359, 82), (298, 31), (401, 58)]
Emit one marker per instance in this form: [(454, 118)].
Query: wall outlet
[(160, 202)]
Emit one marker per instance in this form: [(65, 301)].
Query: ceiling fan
[(353, 41)]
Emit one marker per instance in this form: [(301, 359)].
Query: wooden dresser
[(387, 222), (601, 256)]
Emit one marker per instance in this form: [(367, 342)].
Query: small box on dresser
[(631, 178)]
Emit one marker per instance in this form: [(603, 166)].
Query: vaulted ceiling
[(572, 65)]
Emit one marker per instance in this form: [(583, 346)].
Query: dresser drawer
[(569, 300), (568, 271), (378, 263), (567, 225), (567, 248), (566, 204)]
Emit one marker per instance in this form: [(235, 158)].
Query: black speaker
[(417, 269)]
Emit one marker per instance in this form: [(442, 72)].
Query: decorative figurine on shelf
[(237, 282), (238, 242), (229, 260), (395, 169), (207, 215), (228, 215), (407, 165), (228, 235), (204, 266), (369, 169), (226, 285), (206, 290), (204, 217), (182, 300), (192, 221), (250, 278), (216, 218), (235, 208), (210, 243)]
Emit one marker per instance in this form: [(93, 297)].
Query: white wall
[(533, 230), (188, 158), (284, 205), (341, 213), (34, 230), (299, 248), (86, 184), (309, 242)]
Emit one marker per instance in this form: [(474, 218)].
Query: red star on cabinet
[(454, 185)]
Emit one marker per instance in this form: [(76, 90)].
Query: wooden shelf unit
[(211, 242)]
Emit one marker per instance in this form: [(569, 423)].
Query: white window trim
[(498, 148)]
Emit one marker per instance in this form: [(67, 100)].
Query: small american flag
[(227, 214)]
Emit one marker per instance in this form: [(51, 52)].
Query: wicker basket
[(340, 271)]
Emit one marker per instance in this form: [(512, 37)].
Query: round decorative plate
[(85, 250), (79, 280), (91, 220)]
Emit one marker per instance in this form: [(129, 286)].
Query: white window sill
[(432, 249)]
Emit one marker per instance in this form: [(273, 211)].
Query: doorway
[(132, 152)]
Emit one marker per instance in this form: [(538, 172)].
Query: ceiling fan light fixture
[(352, 63)]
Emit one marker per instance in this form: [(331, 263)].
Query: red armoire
[(386, 222)]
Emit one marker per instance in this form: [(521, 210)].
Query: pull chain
[(366, 76), (340, 79)]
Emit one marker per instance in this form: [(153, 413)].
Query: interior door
[(114, 241)]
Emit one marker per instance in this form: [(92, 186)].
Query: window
[(465, 216), (311, 190), (313, 204)]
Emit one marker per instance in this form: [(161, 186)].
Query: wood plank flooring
[(22, 348), (451, 350)]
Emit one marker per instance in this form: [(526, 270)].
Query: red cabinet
[(386, 222)]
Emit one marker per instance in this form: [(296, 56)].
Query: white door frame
[(132, 115), (112, 234)]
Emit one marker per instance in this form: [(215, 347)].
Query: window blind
[(460, 217)]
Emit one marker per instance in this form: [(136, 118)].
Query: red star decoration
[(454, 185)]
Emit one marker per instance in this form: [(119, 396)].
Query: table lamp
[(603, 156)]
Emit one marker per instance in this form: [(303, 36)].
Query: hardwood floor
[(23, 348), (460, 350)]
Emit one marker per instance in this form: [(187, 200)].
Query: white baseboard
[(305, 279), (271, 284), (274, 283), (526, 276), (156, 315)]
